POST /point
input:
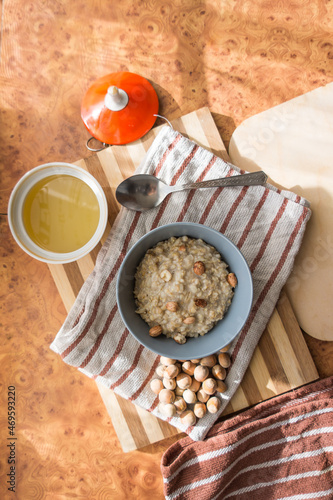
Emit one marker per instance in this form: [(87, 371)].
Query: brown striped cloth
[(266, 224), (281, 449)]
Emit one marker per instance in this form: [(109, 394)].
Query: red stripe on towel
[(130, 369), (79, 315), (155, 404), (100, 337), (233, 209), (120, 345), (166, 154), (192, 193), (184, 165), (147, 379), (252, 220), (268, 236), (213, 199), (164, 203)]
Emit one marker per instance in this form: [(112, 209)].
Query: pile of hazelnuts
[(188, 388)]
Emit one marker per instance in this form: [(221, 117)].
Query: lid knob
[(115, 99)]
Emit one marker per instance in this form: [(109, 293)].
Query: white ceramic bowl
[(224, 331), (19, 195)]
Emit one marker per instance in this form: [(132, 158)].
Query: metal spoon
[(142, 192)]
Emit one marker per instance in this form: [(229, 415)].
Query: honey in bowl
[(60, 213)]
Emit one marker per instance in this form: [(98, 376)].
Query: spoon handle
[(251, 179)]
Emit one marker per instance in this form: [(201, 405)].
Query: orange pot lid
[(119, 108)]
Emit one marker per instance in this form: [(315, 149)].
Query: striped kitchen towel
[(266, 224), (280, 449)]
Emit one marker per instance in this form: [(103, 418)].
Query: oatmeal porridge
[(182, 288)]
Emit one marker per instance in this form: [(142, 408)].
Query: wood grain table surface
[(238, 58)]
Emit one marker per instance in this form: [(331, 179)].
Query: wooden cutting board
[(293, 144), (281, 361)]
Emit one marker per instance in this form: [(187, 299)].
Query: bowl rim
[(17, 198), (154, 232)]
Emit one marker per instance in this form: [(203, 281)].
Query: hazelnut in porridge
[(182, 288)]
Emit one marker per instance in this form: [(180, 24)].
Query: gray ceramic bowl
[(224, 331)]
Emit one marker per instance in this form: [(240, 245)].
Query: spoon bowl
[(143, 192)]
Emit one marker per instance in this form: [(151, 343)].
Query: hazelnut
[(201, 373), (168, 410), (209, 385), (224, 359), (220, 386), (182, 248), (189, 396), (179, 392), (180, 404), (213, 404), (171, 306), (202, 396), (209, 361), (232, 280), (195, 361), (184, 381), (166, 396), (219, 372), (169, 383), (188, 418), (179, 338), (199, 268), (156, 385), (200, 302), (171, 371), (155, 331), (199, 410), (189, 321), (160, 370), (167, 361), (225, 348), (188, 367), (195, 386), (165, 275)]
